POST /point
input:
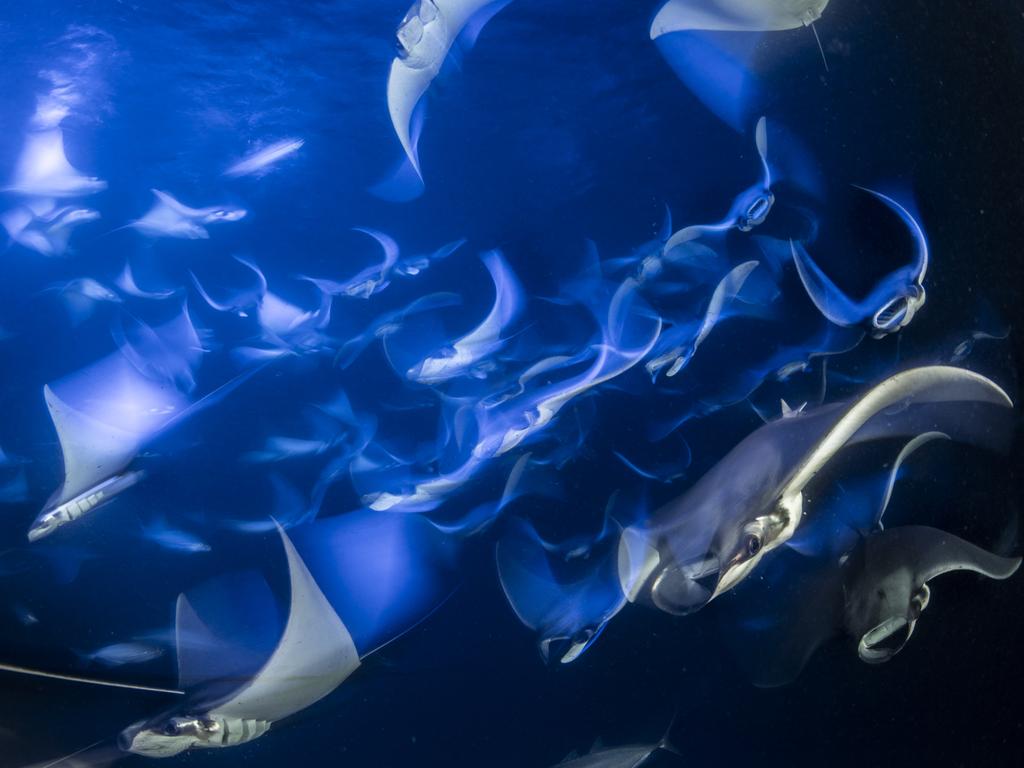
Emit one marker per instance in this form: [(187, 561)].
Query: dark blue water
[(559, 140)]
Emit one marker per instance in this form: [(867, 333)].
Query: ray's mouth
[(884, 641), (686, 588), (892, 315)]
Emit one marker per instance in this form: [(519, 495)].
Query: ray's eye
[(752, 544), (171, 729)]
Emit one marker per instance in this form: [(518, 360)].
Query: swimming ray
[(872, 594), (628, 333), (749, 210), (102, 415), (891, 304), (39, 225), (369, 281), (425, 38), (314, 654), (43, 170), (362, 560), (169, 217), (484, 340), (127, 284), (169, 353), (81, 297), (390, 323), (690, 552), (565, 595), (411, 266), (240, 300), (736, 15), (678, 355)]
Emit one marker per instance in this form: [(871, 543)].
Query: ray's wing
[(427, 44), (179, 208), (224, 631), (102, 415), (92, 451), (932, 553), (43, 158), (315, 654), (934, 384), (735, 15), (383, 572)]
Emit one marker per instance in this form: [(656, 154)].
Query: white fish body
[(170, 218), (260, 161), (425, 37), (125, 409), (735, 15), (483, 340), (314, 656), (43, 169), (39, 225)]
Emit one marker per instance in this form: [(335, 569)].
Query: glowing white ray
[(735, 15), (170, 218), (102, 414), (43, 169), (314, 655), (486, 338), (38, 224), (425, 37)]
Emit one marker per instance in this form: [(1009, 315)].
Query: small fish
[(25, 616), (163, 534), (119, 654), (258, 163), (280, 448), (964, 349)]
